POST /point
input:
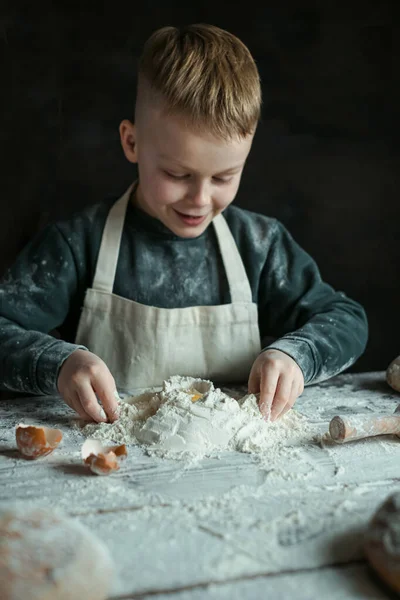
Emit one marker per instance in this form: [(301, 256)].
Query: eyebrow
[(185, 168), (230, 170)]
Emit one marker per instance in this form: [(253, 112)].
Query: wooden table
[(227, 528)]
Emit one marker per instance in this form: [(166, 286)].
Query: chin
[(192, 233), (189, 232)]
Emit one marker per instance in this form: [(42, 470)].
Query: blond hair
[(206, 75)]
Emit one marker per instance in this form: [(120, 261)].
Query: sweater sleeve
[(323, 330), (35, 297)]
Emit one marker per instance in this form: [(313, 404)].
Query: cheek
[(159, 191), (224, 196), (164, 192)]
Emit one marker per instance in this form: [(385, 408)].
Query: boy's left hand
[(279, 380)]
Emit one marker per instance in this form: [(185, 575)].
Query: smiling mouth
[(190, 220), (190, 216)]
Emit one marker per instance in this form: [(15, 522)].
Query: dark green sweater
[(322, 330)]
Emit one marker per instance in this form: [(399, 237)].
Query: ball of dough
[(46, 556), (393, 374), (382, 544)]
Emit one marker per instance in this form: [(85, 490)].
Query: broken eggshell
[(101, 459), (34, 441)]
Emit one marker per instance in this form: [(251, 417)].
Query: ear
[(127, 132)]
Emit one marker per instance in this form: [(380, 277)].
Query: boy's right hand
[(82, 377)]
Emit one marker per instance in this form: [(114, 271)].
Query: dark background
[(325, 159)]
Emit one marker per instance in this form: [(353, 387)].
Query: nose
[(199, 194)]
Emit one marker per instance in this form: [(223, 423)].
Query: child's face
[(186, 178)]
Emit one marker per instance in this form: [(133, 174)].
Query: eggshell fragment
[(34, 441), (45, 555), (102, 460)]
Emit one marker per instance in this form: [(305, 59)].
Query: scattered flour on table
[(191, 417)]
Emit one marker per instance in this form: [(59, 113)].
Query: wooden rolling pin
[(358, 427)]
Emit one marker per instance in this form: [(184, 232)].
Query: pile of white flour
[(191, 417)]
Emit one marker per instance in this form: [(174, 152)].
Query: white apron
[(143, 345)]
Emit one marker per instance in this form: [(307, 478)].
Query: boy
[(168, 284)]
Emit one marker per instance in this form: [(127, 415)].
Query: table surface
[(231, 526)]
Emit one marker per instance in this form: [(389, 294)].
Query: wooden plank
[(62, 478), (171, 525), (61, 474), (347, 582), (240, 534)]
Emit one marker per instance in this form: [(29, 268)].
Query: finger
[(293, 397), (90, 405), (253, 385), (282, 396), (267, 392), (75, 404), (285, 410), (105, 389)]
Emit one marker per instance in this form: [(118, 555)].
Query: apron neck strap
[(107, 259), (239, 285)]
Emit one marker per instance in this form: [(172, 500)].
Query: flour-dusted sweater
[(321, 329)]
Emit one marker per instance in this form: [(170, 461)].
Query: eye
[(178, 177), (221, 180)]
